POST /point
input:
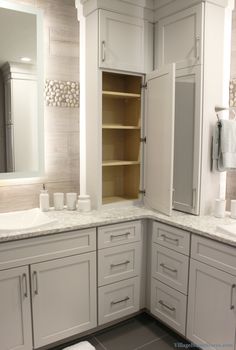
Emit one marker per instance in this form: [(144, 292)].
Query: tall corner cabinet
[(149, 131)]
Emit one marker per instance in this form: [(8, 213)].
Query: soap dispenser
[(44, 199)]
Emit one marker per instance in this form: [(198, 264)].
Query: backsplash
[(61, 63)]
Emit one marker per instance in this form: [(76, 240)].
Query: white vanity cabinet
[(63, 297), (119, 270), (52, 296), (169, 275), (180, 38), (121, 42), (15, 311), (212, 295)]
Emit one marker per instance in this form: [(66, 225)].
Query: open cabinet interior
[(121, 133)]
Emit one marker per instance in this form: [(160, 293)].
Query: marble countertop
[(73, 220)]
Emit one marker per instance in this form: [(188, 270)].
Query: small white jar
[(233, 208), (71, 200), (58, 200), (219, 210)]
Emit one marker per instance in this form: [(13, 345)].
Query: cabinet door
[(63, 297), (15, 313), (160, 139), (121, 42), (187, 146), (211, 307), (180, 37)]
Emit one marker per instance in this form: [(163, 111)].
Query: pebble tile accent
[(232, 93), (60, 93)]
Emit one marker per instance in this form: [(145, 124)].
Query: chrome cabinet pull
[(122, 234), (173, 198), (176, 240), (119, 301), (25, 285), (197, 44), (35, 278), (231, 296), (168, 268), (194, 198), (103, 51), (171, 308), (122, 263)]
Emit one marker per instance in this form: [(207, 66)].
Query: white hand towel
[(227, 156), (84, 345)]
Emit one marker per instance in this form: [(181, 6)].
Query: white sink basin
[(23, 220), (228, 229)]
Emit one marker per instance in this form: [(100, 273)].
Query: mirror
[(21, 91)]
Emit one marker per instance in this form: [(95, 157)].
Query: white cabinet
[(120, 262), (63, 297), (187, 139), (121, 42), (180, 38), (15, 313), (169, 275), (211, 307)]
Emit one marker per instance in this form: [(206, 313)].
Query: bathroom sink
[(23, 220), (229, 229)]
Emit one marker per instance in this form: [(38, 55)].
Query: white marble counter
[(73, 220)]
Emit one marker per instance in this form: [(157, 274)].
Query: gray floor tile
[(167, 343), (131, 334)]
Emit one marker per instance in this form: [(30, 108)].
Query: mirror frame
[(40, 77)]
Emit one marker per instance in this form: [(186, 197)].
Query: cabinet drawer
[(170, 267), (38, 249), (168, 305), (112, 235), (213, 253), (118, 300), (118, 263), (171, 237)]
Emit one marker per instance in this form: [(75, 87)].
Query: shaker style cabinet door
[(63, 297), (15, 313), (187, 144), (121, 42), (211, 307), (159, 126), (180, 38)]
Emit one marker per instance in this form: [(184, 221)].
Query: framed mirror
[(21, 91)]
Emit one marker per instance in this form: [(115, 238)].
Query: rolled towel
[(84, 345)]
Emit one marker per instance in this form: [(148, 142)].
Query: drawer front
[(38, 249), (119, 263), (213, 253), (170, 267), (171, 237), (168, 305), (118, 300), (113, 235)]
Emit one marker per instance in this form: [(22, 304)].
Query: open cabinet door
[(159, 156)]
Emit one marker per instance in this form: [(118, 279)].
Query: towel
[(224, 145), (84, 345)]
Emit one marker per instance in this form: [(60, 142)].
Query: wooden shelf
[(120, 127), (115, 199), (116, 94), (119, 162)]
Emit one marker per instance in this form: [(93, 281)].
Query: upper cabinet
[(121, 42), (179, 38)]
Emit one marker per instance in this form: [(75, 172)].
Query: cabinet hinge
[(143, 139), (142, 192), (144, 86)]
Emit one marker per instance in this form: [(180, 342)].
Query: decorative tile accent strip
[(232, 93), (60, 93)]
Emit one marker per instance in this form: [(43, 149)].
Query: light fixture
[(25, 59)]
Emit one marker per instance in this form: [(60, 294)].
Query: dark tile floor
[(140, 332)]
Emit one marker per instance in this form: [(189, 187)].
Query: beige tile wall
[(231, 175), (61, 59)]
